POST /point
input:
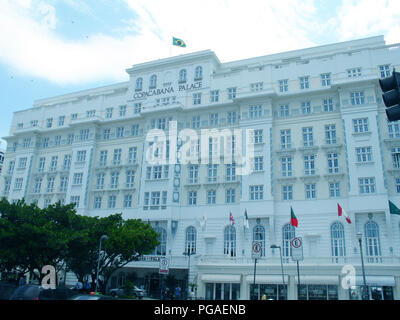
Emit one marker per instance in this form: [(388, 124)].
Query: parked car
[(60, 293), (27, 292), (137, 292), (92, 297), (6, 290)]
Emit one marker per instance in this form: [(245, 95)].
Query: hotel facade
[(310, 130)]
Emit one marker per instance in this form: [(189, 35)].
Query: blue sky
[(53, 47)]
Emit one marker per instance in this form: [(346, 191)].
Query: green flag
[(178, 42), (393, 209)]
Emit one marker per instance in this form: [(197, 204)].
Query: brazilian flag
[(178, 42)]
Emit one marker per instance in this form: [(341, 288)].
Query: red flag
[(231, 219), (343, 213)]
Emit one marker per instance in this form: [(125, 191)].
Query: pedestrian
[(79, 286), (264, 297), (22, 280), (178, 292), (87, 286)]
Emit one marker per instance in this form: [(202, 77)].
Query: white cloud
[(231, 28)]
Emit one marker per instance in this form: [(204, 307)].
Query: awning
[(378, 281), (233, 278), (306, 279), (267, 279)]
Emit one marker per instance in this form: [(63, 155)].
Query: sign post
[(256, 254), (296, 245)]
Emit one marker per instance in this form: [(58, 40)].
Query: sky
[(54, 47)]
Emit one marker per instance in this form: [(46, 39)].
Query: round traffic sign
[(296, 242), (257, 247), (163, 262)]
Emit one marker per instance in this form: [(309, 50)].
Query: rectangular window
[(309, 165), (53, 163), (26, 143), (157, 172), (61, 120), (22, 163), (284, 85), (57, 141), (257, 86), (117, 157), (255, 112), (135, 130), (90, 113), (63, 184), (97, 202), (334, 189), (394, 129), (70, 138), (214, 96), (196, 122), (100, 181), (74, 116), (367, 185), (132, 154), (42, 162), (232, 93), (77, 179), (122, 111), (231, 172), (284, 111), (258, 136), (286, 141), (304, 82), (193, 174), (287, 192), (231, 117), (328, 105), (357, 98), (230, 196), (192, 198), (397, 182), (212, 172), (81, 156), (311, 191), (49, 122), (211, 196), (360, 125), (325, 79), (213, 119), (330, 134), (364, 154), (354, 72), (385, 71), (306, 107), (196, 98), (18, 183), (396, 157), (50, 184), (67, 162), (155, 198), (130, 178), (258, 164), (137, 108), (46, 142), (257, 192), (308, 137), (286, 165), (333, 163), (112, 201), (146, 200), (109, 112), (37, 185), (103, 158), (84, 135), (120, 132), (114, 180)]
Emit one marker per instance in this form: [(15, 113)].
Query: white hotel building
[(317, 123)]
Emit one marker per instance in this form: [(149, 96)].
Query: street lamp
[(188, 253), (364, 291), (103, 237), (274, 246)]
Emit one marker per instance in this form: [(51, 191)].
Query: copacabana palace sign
[(157, 92)]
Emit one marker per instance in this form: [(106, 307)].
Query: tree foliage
[(31, 237)]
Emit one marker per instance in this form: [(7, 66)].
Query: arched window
[(288, 233), (182, 75), (198, 73), (259, 235), (230, 241), (153, 81), (161, 249), (139, 84), (337, 241), (190, 243), (372, 242)]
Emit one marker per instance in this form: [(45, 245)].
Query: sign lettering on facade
[(157, 92)]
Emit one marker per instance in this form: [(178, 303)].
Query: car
[(6, 290), (27, 292), (60, 293), (92, 297), (137, 292)]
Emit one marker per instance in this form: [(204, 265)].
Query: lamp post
[(188, 253), (274, 246), (103, 237), (364, 291)]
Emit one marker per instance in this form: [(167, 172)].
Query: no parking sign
[(296, 245), (256, 250), (164, 268)]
